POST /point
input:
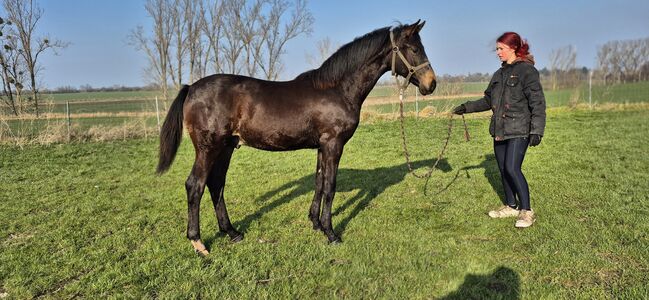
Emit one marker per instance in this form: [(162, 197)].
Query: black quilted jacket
[(516, 98)]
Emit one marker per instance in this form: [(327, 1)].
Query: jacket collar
[(527, 59)]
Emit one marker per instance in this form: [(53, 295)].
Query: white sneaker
[(525, 219), (504, 212)]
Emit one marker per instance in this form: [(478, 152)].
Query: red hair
[(513, 40)]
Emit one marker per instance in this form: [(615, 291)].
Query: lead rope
[(441, 153), (402, 87)]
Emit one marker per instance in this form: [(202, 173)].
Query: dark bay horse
[(319, 109)]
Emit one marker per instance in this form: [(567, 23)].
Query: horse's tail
[(172, 131)]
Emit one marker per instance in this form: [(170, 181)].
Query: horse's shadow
[(503, 283), (369, 183)]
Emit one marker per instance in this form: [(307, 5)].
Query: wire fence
[(65, 120), (79, 117)]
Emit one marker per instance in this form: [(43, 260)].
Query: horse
[(319, 109)]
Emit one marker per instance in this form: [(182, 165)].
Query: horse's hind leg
[(216, 185), (314, 212), (195, 186)]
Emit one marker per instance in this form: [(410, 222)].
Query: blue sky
[(459, 35)]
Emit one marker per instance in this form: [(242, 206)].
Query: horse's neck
[(358, 86)]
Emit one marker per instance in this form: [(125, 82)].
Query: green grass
[(91, 220)]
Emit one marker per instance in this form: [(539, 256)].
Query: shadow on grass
[(503, 283), (491, 172), (369, 183)]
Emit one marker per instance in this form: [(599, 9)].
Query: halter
[(411, 70)]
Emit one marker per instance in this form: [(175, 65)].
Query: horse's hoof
[(334, 240), (237, 238), (199, 248), (317, 226)]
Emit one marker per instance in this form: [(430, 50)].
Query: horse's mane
[(349, 58)]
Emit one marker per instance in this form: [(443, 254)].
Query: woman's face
[(505, 54)]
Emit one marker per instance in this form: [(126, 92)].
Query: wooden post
[(416, 103), (67, 112), (157, 112), (590, 89)]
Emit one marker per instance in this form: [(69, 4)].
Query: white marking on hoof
[(199, 248)]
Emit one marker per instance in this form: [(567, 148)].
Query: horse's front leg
[(330, 158), (314, 212)]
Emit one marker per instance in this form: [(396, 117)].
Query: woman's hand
[(460, 110), (535, 140)]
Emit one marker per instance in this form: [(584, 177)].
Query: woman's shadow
[(503, 283), (369, 183)]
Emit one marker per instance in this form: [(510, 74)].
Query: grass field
[(91, 220)]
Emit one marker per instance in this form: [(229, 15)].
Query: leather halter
[(411, 70)]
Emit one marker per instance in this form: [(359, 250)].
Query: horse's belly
[(277, 140)]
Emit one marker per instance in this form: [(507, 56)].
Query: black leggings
[(509, 155)]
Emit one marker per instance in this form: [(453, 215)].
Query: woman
[(516, 98)]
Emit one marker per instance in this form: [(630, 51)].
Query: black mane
[(349, 58)]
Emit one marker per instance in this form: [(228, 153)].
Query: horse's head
[(409, 58)]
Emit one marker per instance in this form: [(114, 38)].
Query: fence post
[(157, 112), (590, 89), (67, 112), (416, 103)]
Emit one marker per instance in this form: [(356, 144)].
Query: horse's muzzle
[(427, 82), (427, 90)]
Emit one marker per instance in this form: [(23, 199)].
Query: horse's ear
[(421, 26), (413, 28)]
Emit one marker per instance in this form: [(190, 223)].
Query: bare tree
[(213, 29), (324, 49), (621, 61), (563, 63), (157, 48), (232, 45), (603, 66), (24, 14), (250, 20), (177, 12), (300, 22), (643, 62), (194, 19), (232, 36), (8, 61)]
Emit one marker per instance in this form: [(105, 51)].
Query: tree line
[(624, 61), (192, 38)]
